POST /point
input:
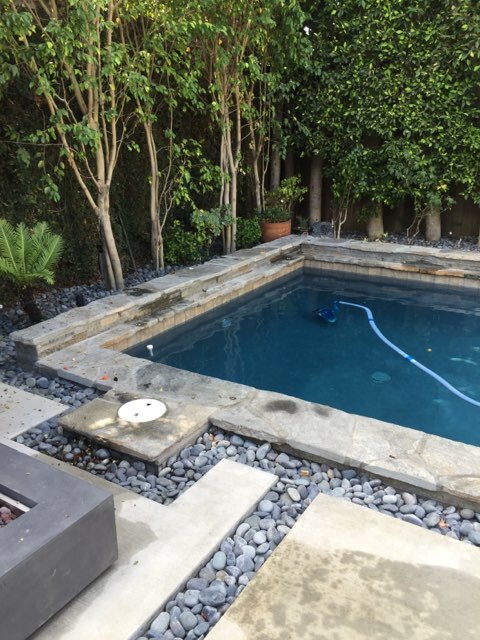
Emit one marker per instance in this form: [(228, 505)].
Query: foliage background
[(385, 92)]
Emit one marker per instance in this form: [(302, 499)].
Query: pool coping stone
[(414, 460)]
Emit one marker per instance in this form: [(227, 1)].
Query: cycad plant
[(27, 256)]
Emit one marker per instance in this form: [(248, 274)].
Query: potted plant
[(278, 205)]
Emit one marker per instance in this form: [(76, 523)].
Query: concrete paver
[(153, 441), (347, 573), (20, 410)]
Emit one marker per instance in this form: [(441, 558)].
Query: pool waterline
[(260, 340)]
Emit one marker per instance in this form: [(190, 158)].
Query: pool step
[(349, 573), (137, 302), (421, 264), (99, 361)]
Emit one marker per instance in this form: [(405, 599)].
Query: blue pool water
[(273, 340)]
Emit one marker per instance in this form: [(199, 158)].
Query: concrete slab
[(154, 441), (345, 573), (159, 547), (20, 410)]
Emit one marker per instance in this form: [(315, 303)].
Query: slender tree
[(165, 82), (243, 64), (78, 65)]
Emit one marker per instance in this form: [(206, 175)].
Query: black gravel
[(324, 229)]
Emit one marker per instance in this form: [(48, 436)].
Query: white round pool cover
[(142, 410)]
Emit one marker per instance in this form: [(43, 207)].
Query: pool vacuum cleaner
[(327, 314), (330, 315)]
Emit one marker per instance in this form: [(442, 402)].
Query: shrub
[(286, 195), (27, 256), (248, 232), (275, 214), (182, 246)]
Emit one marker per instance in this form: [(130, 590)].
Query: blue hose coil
[(431, 373)]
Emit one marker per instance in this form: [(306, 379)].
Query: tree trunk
[(433, 225), (127, 241), (108, 237), (233, 204), (29, 305), (315, 191), (161, 252), (106, 265), (156, 241), (275, 158), (155, 227), (290, 163), (275, 168), (257, 183), (375, 223)]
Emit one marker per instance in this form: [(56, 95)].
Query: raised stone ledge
[(412, 459), (449, 267), (101, 353), (135, 303), (160, 295), (447, 470)]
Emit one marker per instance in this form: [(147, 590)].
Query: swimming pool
[(272, 340)]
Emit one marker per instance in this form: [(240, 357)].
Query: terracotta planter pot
[(273, 230)]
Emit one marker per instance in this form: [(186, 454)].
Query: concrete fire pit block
[(50, 553)]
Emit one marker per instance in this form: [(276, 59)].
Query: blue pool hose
[(405, 355)]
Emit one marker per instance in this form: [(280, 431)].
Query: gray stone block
[(52, 552)]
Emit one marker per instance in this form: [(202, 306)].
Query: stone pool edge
[(413, 460), (442, 468), (202, 284)]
